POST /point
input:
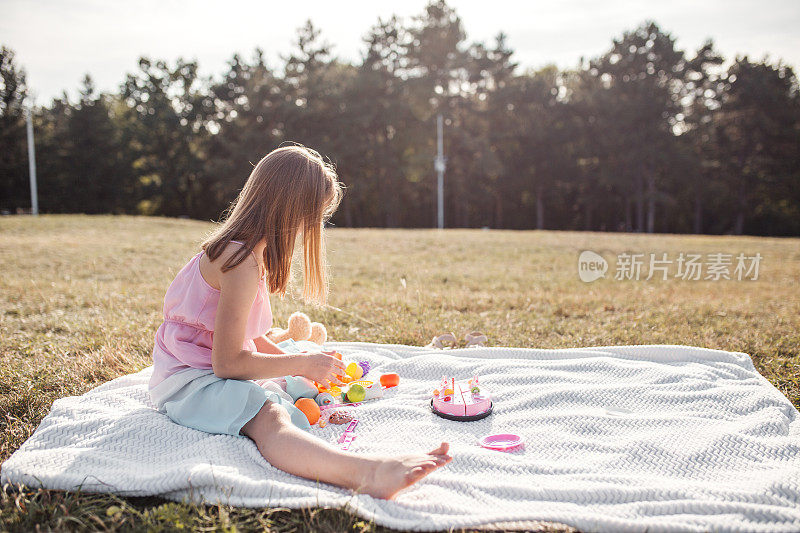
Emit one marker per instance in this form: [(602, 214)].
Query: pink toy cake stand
[(463, 402)]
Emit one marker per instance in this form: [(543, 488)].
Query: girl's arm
[(238, 288), (264, 345)]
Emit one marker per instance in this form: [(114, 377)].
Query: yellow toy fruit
[(309, 408), (354, 371), (356, 393)]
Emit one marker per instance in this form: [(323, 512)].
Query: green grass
[(80, 300)]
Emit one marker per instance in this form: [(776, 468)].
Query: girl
[(216, 313)]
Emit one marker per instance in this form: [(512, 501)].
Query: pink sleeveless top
[(185, 337)]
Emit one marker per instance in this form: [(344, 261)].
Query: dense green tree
[(437, 71), (598, 148), (493, 71), (14, 183), (82, 157), (757, 135), (378, 101), (248, 121), (641, 138), (701, 94), (171, 112), (644, 72)]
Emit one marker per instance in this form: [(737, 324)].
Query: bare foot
[(393, 474)]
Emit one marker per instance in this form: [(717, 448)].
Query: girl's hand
[(323, 368)]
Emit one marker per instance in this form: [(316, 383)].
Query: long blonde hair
[(291, 188)]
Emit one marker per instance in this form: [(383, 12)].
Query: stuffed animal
[(300, 329)]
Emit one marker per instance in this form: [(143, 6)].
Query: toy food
[(354, 371), (309, 408), (390, 380), (356, 393), (300, 328), (340, 417), (461, 401), (324, 398), (373, 390)]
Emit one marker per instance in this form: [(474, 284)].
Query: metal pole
[(32, 166), (439, 165)]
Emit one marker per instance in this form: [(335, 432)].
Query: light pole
[(439, 164), (32, 165)]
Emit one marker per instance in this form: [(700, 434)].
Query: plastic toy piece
[(441, 341), (501, 441), (452, 403), (475, 338), (324, 398), (339, 416), (473, 384), (354, 371), (345, 444), (334, 390), (338, 405), (324, 418), (356, 393), (373, 391), (347, 437), (334, 416), (390, 380), (309, 408)]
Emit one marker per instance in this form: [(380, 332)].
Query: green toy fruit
[(356, 393)]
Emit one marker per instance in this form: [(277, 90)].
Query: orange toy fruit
[(390, 380), (309, 408)]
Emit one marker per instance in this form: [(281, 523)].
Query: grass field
[(80, 300)]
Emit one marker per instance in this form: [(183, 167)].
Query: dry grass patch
[(80, 300)]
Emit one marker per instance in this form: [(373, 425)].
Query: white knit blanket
[(641, 438)]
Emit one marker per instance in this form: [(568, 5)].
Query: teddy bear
[(300, 328)]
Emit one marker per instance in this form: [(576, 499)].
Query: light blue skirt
[(199, 399), (216, 405)]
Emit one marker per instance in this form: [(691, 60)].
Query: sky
[(57, 42)]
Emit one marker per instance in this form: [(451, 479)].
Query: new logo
[(591, 266)]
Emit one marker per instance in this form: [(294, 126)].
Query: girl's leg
[(293, 450)]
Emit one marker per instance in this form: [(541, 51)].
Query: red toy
[(390, 380)]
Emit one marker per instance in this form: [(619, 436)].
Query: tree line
[(644, 137)]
